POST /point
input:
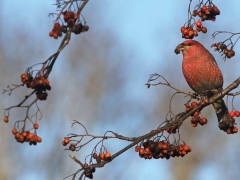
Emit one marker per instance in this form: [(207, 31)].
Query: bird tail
[(221, 111)]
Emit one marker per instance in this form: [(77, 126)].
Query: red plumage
[(202, 73)]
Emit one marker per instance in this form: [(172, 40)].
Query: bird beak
[(179, 48)]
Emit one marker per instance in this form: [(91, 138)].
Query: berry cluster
[(40, 84), (163, 149), (89, 172), (66, 141), (228, 126), (207, 12), (56, 31), (196, 119), (222, 48), (189, 33), (70, 18), (26, 136), (102, 156)]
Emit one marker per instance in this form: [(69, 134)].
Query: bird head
[(188, 46)]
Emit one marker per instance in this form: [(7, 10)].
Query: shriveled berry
[(72, 147), (204, 29), (95, 155)]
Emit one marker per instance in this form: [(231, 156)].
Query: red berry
[(194, 124), (35, 126), (199, 24), (14, 131), (137, 148), (57, 25), (235, 129), (66, 140), (182, 29), (107, 156), (39, 139), (203, 121), (204, 8), (5, 119), (237, 113), (232, 113), (194, 104)]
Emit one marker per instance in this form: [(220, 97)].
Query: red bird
[(202, 73)]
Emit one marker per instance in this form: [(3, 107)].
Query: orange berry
[(141, 151), (107, 156), (190, 33), (182, 29), (164, 146), (23, 76), (199, 24), (85, 165), (51, 33), (101, 156), (231, 113), (66, 140), (17, 135), (185, 32), (39, 139), (137, 148), (195, 33), (30, 136), (35, 126), (186, 148), (55, 35), (5, 119), (21, 138), (14, 131), (25, 133)]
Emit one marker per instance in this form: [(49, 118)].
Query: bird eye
[(189, 44)]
